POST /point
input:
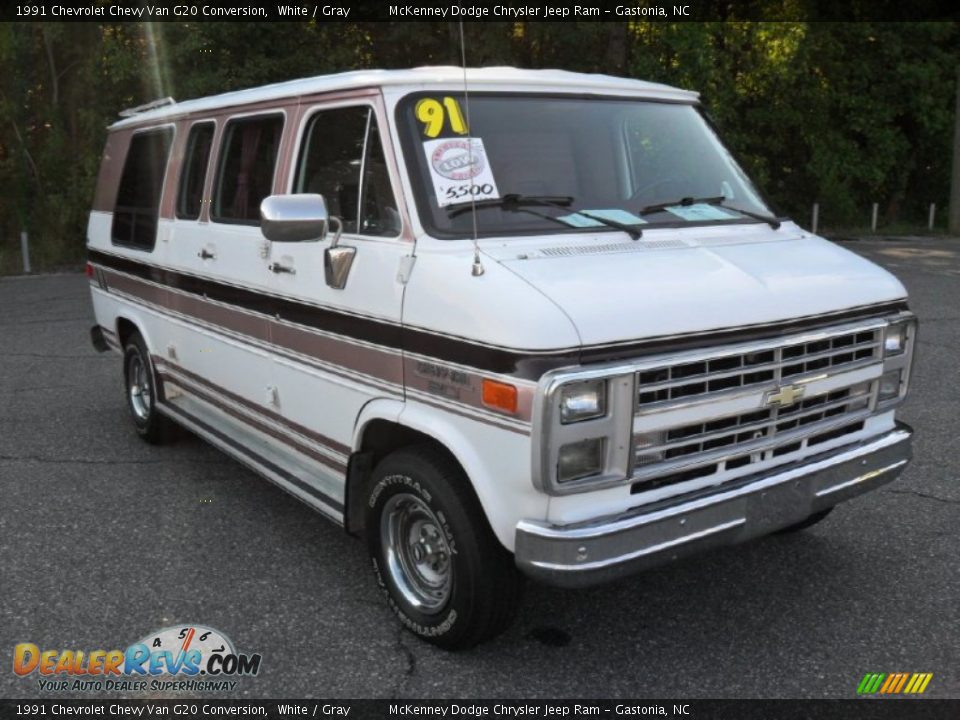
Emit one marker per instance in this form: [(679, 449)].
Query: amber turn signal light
[(500, 395)]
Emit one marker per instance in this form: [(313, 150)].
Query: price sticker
[(460, 170)]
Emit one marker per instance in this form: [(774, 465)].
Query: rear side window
[(190, 197), (248, 157), (342, 159), (141, 185)]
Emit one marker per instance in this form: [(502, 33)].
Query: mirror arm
[(336, 235)]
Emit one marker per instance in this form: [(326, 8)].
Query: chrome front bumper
[(606, 548)]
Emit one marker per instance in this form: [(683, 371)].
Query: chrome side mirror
[(304, 218), (294, 218)]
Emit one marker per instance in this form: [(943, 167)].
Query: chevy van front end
[(717, 445)]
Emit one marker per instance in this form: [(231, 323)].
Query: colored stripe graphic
[(894, 683), (899, 686), (918, 683), (862, 687), (890, 682)]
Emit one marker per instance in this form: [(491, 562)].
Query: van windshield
[(546, 164)]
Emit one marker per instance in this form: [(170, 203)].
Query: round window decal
[(458, 159)]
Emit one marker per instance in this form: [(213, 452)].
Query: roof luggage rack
[(152, 105)]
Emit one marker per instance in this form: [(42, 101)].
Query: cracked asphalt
[(104, 538)]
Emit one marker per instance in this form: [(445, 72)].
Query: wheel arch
[(377, 433), (128, 323), (499, 480)]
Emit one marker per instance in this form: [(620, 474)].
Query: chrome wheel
[(417, 554), (138, 387)]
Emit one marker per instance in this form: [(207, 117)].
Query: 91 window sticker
[(459, 167)]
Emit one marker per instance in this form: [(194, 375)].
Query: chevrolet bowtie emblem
[(785, 396)]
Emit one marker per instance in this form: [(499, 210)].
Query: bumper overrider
[(607, 548)]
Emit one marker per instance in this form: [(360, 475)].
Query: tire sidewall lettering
[(450, 616)]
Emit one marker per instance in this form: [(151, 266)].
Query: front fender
[(495, 460)]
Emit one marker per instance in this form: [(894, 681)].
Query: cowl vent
[(570, 250)]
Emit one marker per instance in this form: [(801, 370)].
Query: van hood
[(696, 280)]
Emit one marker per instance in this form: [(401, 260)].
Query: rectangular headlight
[(895, 338), (580, 459), (581, 401), (890, 384), (899, 343)]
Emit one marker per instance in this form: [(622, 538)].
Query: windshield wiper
[(518, 203), (512, 202), (768, 219), (719, 201), (633, 231), (682, 202)]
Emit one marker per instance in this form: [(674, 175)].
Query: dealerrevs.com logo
[(182, 658)]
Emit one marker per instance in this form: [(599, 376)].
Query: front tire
[(444, 573), (141, 393)]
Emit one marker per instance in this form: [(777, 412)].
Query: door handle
[(278, 268), (205, 255)]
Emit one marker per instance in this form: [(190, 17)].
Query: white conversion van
[(499, 323)]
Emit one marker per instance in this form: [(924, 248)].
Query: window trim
[(221, 158), (212, 155), (363, 167), (163, 184), (382, 129)]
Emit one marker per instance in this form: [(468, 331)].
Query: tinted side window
[(337, 145), (194, 172), (248, 157), (141, 185)]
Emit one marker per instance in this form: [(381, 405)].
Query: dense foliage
[(844, 114)]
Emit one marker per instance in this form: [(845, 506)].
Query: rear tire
[(808, 522), (141, 393), (444, 574)]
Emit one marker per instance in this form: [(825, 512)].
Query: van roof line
[(422, 78), (152, 105)]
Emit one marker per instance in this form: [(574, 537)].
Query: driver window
[(342, 158), (670, 157), (652, 159)]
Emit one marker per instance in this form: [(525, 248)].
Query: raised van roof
[(492, 78)]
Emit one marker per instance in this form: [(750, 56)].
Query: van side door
[(217, 270)]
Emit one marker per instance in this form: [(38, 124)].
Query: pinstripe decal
[(258, 460), (315, 363), (378, 367), (181, 373), (212, 399), (483, 357)]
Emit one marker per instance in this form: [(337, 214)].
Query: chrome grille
[(702, 397), (734, 371), (734, 434)]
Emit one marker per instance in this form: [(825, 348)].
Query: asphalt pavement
[(104, 538)]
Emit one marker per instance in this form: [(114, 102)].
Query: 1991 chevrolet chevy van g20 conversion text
[(545, 325)]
